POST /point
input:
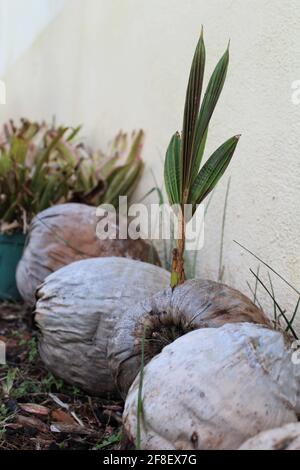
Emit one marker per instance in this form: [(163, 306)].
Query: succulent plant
[(102, 178), (42, 165)]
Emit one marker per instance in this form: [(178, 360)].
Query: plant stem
[(178, 275)]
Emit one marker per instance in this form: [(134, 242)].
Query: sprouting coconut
[(161, 318), (233, 376), (285, 438), (186, 305), (77, 310), (187, 181), (213, 388), (65, 233)]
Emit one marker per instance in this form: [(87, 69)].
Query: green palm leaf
[(198, 157), (212, 171), (172, 172), (191, 109), (208, 105)]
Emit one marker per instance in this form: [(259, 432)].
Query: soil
[(39, 411)]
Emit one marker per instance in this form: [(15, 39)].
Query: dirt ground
[(39, 411)]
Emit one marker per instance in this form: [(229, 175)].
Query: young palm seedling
[(196, 303), (186, 180), (196, 393)]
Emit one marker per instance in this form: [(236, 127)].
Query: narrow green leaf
[(172, 170), (212, 171), (136, 147), (19, 149), (109, 166), (198, 157), (209, 102), (29, 130), (5, 164), (132, 179), (123, 182), (191, 110), (44, 156), (74, 133)]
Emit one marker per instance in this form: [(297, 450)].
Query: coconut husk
[(214, 388), (79, 307), (66, 233), (285, 438), (172, 313)]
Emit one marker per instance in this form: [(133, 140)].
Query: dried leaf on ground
[(31, 422), (32, 408)]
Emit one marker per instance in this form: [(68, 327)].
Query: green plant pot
[(11, 249)]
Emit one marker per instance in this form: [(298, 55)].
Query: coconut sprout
[(187, 181)]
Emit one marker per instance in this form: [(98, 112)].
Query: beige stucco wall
[(114, 64)]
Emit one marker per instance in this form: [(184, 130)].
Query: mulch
[(39, 411)]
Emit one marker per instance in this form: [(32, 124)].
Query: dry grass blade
[(256, 286), (282, 312), (295, 311), (269, 267), (273, 293), (221, 267), (254, 295)]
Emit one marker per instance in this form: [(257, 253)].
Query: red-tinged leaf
[(62, 417), (34, 409), (30, 422), (70, 429)]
